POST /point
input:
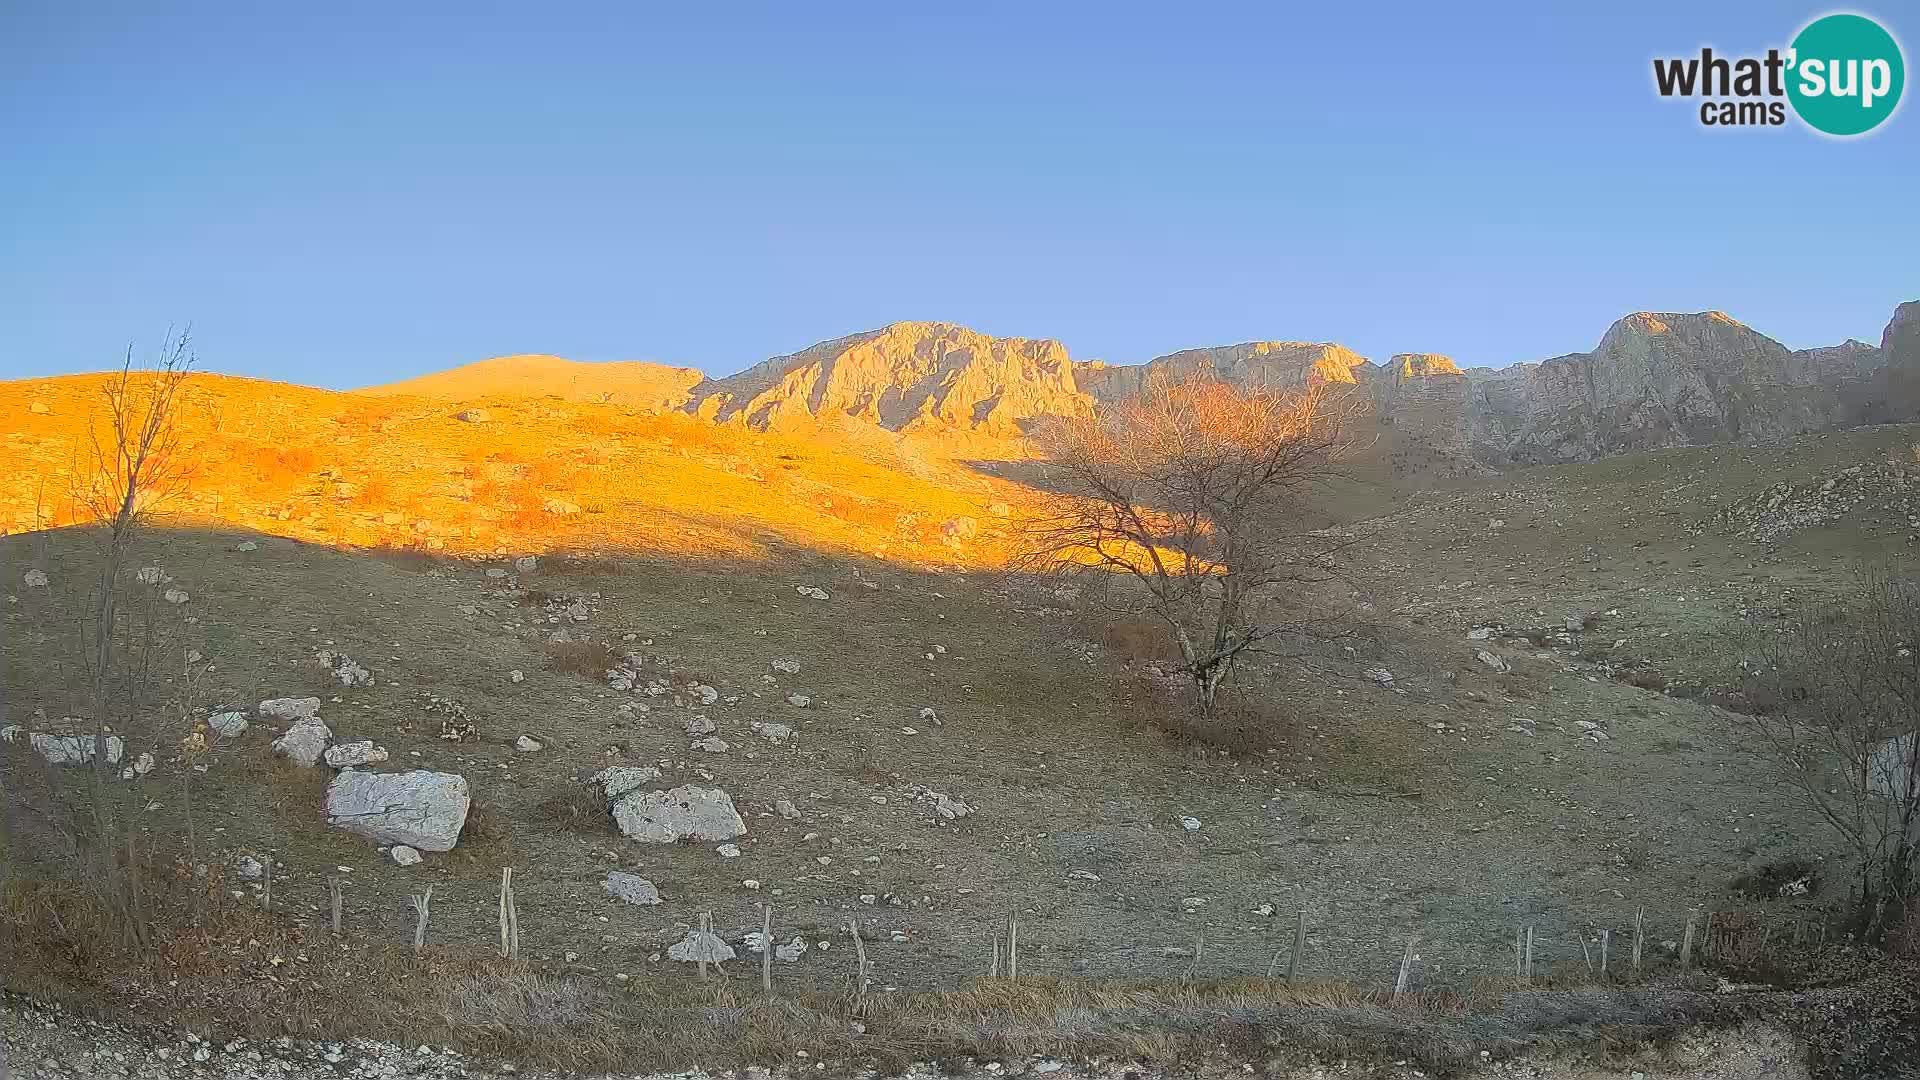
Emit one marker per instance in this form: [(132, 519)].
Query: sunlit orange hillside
[(511, 474), (629, 383)]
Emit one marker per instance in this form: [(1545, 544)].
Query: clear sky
[(346, 195)]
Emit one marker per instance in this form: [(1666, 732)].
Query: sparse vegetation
[(1837, 692), (1187, 505)]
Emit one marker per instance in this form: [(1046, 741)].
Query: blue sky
[(347, 195)]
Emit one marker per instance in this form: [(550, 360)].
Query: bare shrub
[(1647, 679), (1189, 506), (587, 659), (132, 465), (1840, 690)]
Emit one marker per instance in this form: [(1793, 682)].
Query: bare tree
[(1196, 497), (133, 465), (1836, 695)]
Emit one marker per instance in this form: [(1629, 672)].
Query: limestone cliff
[(1655, 380), (903, 377), (1253, 363), (1660, 380)]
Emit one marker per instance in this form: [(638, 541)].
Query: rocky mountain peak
[(904, 376)]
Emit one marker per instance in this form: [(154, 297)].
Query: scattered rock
[(249, 868), (526, 564), (698, 725), (1380, 676), (420, 809), (175, 596), (66, 749), (786, 809), (631, 888), (150, 575), (291, 708), (527, 744), (700, 945), (472, 416), (353, 754), (728, 851), (617, 780), (1491, 661), (800, 701), (712, 744), (404, 855), (35, 579), (516, 675), (684, 813), (1191, 824), (811, 591), (944, 806), (343, 668), (304, 742), (773, 733), (786, 667), (228, 724)]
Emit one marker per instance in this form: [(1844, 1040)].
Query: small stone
[(354, 754), (728, 851), (1190, 823), (302, 708), (811, 591), (700, 945), (228, 724), (304, 742), (800, 701), (405, 855), (527, 744), (773, 733), (516, 675), (631, 888), (35, 579), (786, 809)]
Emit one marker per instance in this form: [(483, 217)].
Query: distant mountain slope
[(1267, 363), (632, 383), (905, 376), (1655, 380)]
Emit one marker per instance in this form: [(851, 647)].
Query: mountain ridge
[(1654, 380)]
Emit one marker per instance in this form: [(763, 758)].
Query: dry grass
[(1140, 640), (590, 660), (495, 1009), (1241, 726), (668, 483)]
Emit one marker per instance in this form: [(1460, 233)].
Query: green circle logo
[(1845, 74)]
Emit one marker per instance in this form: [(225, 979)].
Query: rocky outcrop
[(421, 809), (1252, 363), (1654, 381), (904, 377), (685, 813)]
